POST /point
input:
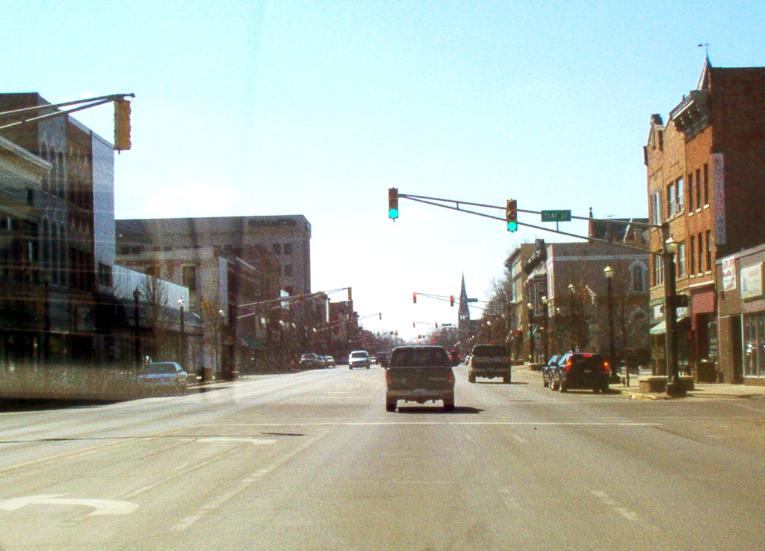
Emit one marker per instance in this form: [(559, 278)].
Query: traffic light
[(451, 300), (121, 124), (380, 316), (392, 203), (350, 294), (511, 215), (414, 298), (413, 325)]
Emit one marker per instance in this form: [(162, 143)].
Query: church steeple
[(464, 311)]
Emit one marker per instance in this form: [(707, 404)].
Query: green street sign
[(556, 216)]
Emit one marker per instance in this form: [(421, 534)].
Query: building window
[(152, 270), (709, 250), (276, 248), (698, 189), (680, 260), (656, 208), (706, 184), (754, 345), (104, 275), (190, 278), (700, 255), (670, 200), (679, 196), (658, 270), (288, 248), (638, 278), (690, 191), (693, 254), (288, 270)]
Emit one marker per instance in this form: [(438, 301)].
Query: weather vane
[(704, 45)]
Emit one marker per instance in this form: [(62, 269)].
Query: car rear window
[(359, 355), (587, 359), (489, 351), (419, 357)]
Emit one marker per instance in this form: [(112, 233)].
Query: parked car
[(489, 360), (547, 369), (162, 378), (330, 361), (419, 374), (309, 361), (581, 370), (358, 358)]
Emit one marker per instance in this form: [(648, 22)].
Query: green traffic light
[(512, 225), (392, 214)]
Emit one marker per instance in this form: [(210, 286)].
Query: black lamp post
[(531, 331), (674, 387), (546, 318), (608, 271), (137, 328), (573, 327), (181, 347)]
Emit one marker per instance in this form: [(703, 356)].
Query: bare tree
[(158, 317)]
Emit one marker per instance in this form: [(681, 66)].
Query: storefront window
[(754, 345)]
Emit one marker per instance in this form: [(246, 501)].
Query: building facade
[(705, 181)]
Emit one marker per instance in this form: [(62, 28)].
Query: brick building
[(706, 180), (741, 303)]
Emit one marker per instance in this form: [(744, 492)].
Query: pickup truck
[(489, 360), (419, 374)]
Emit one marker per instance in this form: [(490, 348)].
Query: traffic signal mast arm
[(449, 299), (90, 102), (437, 202)]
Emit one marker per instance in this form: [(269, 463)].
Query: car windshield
[(449, 199)]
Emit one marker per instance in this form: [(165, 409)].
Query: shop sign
[(729, 274), (751, 281), (718, 173)]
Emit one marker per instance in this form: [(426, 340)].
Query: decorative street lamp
[(181, 347), (531, 331), (573, 326), (546, 317), (608, 271), (136, 328), (674, 387)]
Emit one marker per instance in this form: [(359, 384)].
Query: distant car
[(342, 360), (309, 361), (382, 358), (419, 374), (547, 370), (162, 378), (581, 370), (467, 359), (330, 361), (489, 360), (358, 358)]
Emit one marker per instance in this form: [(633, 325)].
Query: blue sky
[(281, 107)]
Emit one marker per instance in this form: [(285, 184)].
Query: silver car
[(358, 358), (162, 378)]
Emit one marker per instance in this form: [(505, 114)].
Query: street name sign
[(556, 216)]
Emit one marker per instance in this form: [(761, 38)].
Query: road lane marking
[(245, 483), (119, 441), (100, 506), (227, 439), (626, 513), (520, 439)]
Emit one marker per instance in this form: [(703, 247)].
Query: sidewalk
[(701, 390)]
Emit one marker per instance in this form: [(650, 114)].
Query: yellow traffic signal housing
[(511, 215), (121, 125), (392, 203)]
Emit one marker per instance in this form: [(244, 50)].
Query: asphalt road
[(312, 461)]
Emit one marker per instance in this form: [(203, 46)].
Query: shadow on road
[(20, 404), (500, 383), (431, 409)]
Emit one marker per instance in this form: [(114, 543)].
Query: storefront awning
[(661, 327)]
